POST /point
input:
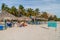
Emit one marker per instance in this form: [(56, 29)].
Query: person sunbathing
[(22, 24)]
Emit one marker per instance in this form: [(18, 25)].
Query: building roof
[(6, 15), (24, 18)]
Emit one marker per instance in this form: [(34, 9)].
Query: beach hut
[(6, 15), (36, 20)]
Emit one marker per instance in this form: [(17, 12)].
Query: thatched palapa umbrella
[(24, 18), (6, 15)]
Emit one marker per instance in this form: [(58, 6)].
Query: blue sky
[(51, 6)]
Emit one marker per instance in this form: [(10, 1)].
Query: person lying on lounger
[(22, 24)]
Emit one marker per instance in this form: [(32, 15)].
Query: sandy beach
[(30, 32)]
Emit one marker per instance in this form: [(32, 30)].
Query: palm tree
[(44, 15), (50, 18), (55, 17), (37, 10), (30, 11), (3, 6), (21, 10), (7, 9), (14, 10)]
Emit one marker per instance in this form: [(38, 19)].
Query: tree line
[(21, 11)]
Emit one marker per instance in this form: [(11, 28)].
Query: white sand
[(31, 32)]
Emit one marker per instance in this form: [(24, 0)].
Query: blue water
[(52, 24)]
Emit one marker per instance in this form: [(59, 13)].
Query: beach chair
[(1, 27), (9, 24)]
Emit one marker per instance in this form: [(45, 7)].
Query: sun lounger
[(9, 24)]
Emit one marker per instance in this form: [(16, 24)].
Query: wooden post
[(5, 24)]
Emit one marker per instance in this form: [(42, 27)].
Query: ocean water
[(52, 24)]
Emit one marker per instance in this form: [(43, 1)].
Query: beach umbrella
[(41, 19), (6, 15), (20, 18), (23, 18), (28, 19), (7, 18)]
